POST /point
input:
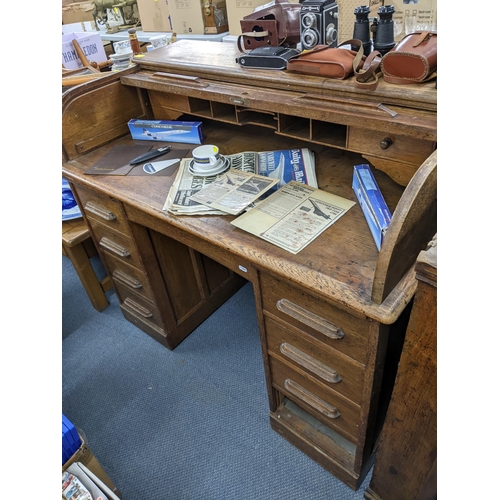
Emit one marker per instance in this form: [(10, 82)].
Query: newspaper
[(234, 190), (293, 216), (284, 165)]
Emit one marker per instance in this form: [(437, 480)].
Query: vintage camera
[(319, 23)]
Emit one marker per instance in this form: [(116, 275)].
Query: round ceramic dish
[(208, 172)]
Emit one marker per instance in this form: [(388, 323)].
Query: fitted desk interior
[(331, 318)]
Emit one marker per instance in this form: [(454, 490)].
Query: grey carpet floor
[(187, 424)]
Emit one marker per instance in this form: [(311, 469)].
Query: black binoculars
[(381, 27)]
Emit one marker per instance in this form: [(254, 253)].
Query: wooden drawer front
[(305, 353), (331, 326), (103, 209), (330, 407), (142, 307), (129, 276), (117, 245), (405, 149)]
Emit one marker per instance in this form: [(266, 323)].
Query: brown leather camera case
[(412, 60), (272, 26)]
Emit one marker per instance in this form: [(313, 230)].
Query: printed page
[(293, 216), (233, 191)]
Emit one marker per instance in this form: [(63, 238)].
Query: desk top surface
[(217, 61), (339, 265)]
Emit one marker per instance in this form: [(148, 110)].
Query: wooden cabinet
[(164, 288), (331, 318), (406, 461), (323, 364)]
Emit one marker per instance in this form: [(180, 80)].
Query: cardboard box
[(215, 19), (77, 12), (86, 457), (155, 15), (419, 15), (372, 202), (91, 45), (188, 16), (238, 9), (164, 130)]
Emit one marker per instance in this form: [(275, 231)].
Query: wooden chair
[(78, 246)]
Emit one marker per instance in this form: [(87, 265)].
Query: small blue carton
[(71, 440), (372, 202), (167, 131)]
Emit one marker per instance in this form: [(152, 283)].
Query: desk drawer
[(103, 209), (307, 355), (117, 245), (331, 326), (129, 276), (143, 308), (330, 407), (401, 148)]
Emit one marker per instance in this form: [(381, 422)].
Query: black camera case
[(267, 57)]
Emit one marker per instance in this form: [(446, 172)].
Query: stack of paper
[(282, 166)]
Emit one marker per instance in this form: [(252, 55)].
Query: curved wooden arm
[(413, 225)]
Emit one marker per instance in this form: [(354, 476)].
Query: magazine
[(283, 165)]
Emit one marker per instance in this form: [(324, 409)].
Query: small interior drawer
[(328, 324), (306, 354), (400, 148), (331, 408), (103, 209)]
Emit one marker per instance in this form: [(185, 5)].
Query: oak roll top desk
[(331, 318)]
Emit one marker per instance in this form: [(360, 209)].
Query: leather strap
[(253, 34), (359, 56), (367, 77), (365, 72)]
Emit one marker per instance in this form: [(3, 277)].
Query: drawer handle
[(99, 211), (125, 278), (310, 319), (181, 79), (385, 143), (145, 313), (313, 365), (311, 399), (112, 247)]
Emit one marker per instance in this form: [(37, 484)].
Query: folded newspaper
[(283, 165), (234, 191), (293, 216)]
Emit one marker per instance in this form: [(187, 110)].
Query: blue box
[(71, 440), (167, 131), (372, 202)]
